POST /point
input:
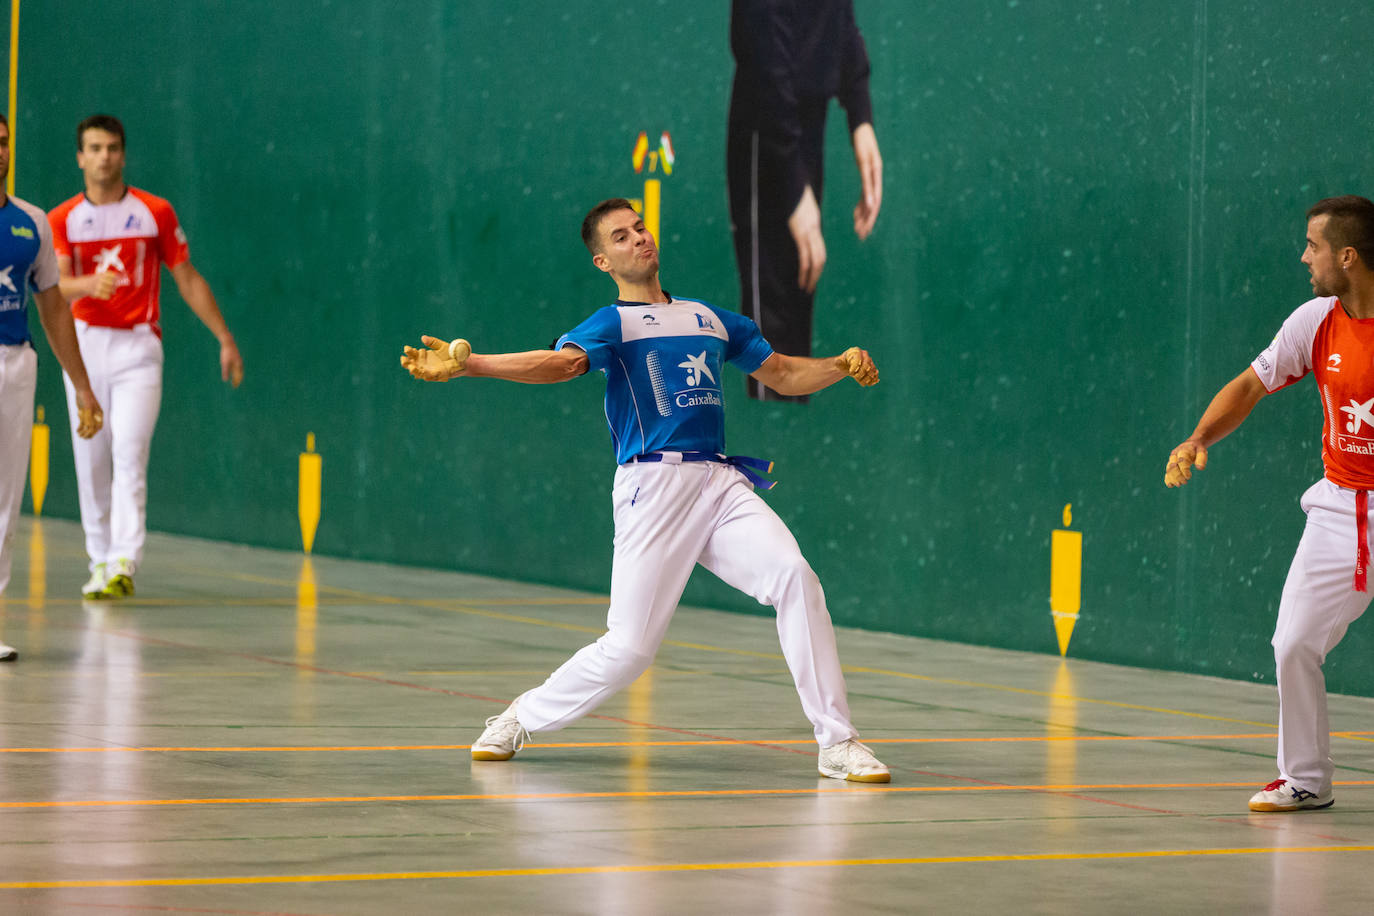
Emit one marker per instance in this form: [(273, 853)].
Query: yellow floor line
[(666, 868)]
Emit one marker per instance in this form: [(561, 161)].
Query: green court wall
[(1092, 219)]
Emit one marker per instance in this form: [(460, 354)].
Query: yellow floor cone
[(38, 461), (1066, 579), (311, 473)]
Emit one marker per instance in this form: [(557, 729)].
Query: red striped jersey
[(1320, 338), (133, 236)]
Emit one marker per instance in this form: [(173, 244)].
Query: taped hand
[(441, 362), (89, 416), (1182, 460), (856, 363), (104, 284)]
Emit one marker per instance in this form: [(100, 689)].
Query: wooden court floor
[(257, 732)]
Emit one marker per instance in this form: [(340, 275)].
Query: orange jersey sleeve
[(57, 218), (171, 240)]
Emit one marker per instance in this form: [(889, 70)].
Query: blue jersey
[(663, 364), (26, 259)]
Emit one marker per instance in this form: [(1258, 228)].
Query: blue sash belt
[(751, 468)]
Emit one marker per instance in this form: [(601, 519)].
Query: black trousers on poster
[(765, 252)]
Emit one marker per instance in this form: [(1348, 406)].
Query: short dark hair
[(593, 220), (1350, 224), (108, 123), (5, 121)]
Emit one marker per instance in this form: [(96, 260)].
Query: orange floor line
[(587, 744), (550, 871), (671, 793)]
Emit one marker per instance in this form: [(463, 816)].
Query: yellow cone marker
[(1066, 579), (38, 461), (312, 466)]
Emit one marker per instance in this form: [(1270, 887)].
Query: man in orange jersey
[(111, 242), (1332, 337)]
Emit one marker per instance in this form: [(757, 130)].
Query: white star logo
[(108, 259), (5, 280), (696, 368), (1359, 413)]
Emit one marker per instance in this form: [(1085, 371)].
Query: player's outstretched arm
[(441, 360), (1229, 408), (794, 375)]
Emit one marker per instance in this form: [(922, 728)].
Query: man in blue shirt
[(27, 260), (677, 499)]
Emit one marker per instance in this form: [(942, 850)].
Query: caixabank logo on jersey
[(11, 296), (695, 394), (686, 348), (696, 372), (1357, 418)]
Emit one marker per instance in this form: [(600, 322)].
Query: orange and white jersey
[(1319, 337), (133, 236)]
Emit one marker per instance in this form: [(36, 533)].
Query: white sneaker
[(1282, 795), (8, 653), (121, 580), (852, 760), (503, 737), (96, 584)]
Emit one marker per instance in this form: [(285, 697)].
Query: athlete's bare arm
[(1227, 411), (56, 319), (534, 367), (199, 297), (98, 285), (794, 375)]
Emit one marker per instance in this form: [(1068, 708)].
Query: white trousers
[(125, 368), (669, 518), (18, 381), (1319, 603)]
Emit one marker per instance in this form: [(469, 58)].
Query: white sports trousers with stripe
[(668, 518)]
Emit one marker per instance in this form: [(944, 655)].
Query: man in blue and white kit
[(27, 258), (677, 500)]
